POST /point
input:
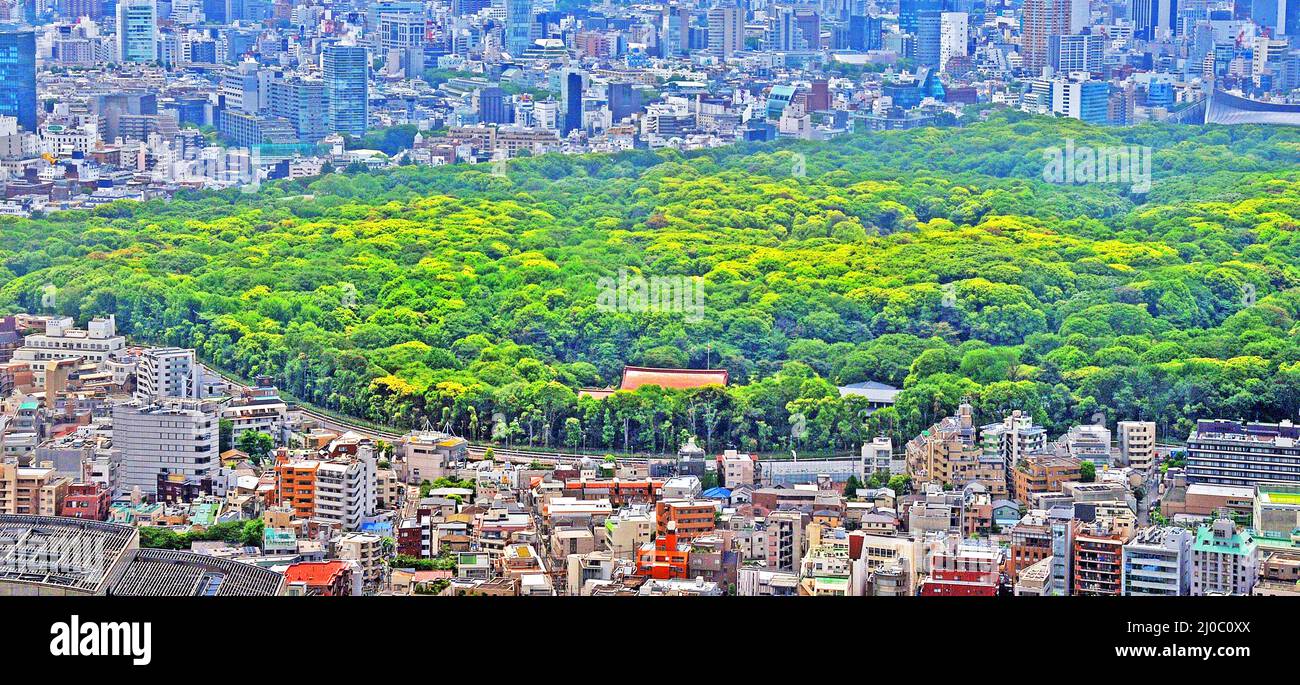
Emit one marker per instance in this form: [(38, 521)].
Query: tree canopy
[(936, 260)]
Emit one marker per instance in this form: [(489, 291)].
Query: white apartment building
[(759, 582), (1088, 443), (173, 437), (878, 456), (346, 491), (164, 372), (1012, 439), (1158, 562)]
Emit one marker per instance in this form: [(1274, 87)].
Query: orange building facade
[(295, 485), (690, 519), (666, 558)]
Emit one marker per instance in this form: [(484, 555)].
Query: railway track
[(476, 452)]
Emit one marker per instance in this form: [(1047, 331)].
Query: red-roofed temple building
[(677, 379)]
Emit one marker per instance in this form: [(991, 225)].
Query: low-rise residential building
[(1042, 472), (319, 579), (1279, 574), (32, 490), (365, 549)]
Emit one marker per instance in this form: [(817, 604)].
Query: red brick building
[(86, 501)]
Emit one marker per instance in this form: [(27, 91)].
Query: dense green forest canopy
[(936, 260)]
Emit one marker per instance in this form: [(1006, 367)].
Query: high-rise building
[(572, 98), (792, 30), (865, 32), (75, 9), (18, 75), (493, 106), (624, 100), (808, 23), (1041, 20), (137, 30), (726, 31), (347, 88), (1082, 52), (1282, 16), (461, 8), (303, 103), (1153, 18), (171, 437), (400, 30), (954, 34), (674, 31), (909, 13), (519, 26), (1085, 100), (928, 30), (779, 35), (216, 11), (1158, 562)]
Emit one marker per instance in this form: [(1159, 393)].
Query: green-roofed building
[(1276, 518), (1225, 560)]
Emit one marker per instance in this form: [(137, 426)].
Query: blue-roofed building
[(381, 528), (1006, 513), (718, 493)]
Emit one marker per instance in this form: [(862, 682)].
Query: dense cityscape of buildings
[(102, 100), (175, 481)]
